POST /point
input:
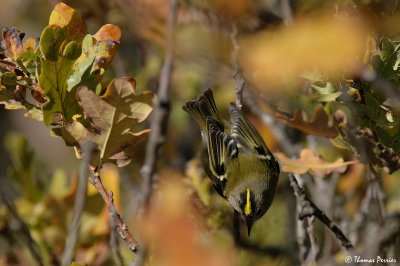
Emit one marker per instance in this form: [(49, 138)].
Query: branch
[(80, 200), (159, 122), (383, 235), (312, 255), (309, 209), (23, 229), (121, 227), (114, 244), (240, 82)]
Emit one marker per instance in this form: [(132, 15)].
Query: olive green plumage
[(235, 157)]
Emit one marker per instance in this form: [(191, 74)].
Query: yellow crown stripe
[(247, 208)]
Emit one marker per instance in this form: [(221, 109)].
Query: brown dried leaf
[(115, 117), (319, 126), (312, 163), (12, 42)]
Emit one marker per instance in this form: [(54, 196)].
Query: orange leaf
[(310, 162), (30, 43), (169, 223), (108, 32)]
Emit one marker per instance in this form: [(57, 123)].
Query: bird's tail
[(202, 108)]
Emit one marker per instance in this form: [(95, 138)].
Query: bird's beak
[(249, 223)]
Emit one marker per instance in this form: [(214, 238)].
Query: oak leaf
[(318, 126), (114, 119), (309, 162), (71, 58)]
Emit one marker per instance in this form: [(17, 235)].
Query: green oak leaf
[(61, 45), (87, 69), (54, 72), (387, 63), (114, 117)]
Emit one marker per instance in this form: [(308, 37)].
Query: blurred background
[(295, 55)]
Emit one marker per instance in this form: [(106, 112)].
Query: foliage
[(64, 76), (40, 198)]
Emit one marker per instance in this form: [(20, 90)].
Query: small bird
[(235, 157)]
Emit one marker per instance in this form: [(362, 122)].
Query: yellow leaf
[(66, 17), (327, 44)]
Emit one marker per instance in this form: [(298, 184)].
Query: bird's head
[(251, 204)]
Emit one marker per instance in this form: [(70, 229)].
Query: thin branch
[(384, 235), (240, 82), (80, 200), (24, 229), (159, 122), (309, 209), (114, 243), (276, 127), (301, 237), (378, 195), (122, 228), (312, 255)]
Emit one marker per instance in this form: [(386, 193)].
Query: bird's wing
[(222, 149), (246, 135)]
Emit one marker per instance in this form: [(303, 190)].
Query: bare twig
[(122, 228), (80, 199), (312, 255), (276, 127), (159, 122), (309, 209), (161, 111), (383, 234), (24, 229), (287, 13), (301, 237), (114, 243), (377, 193), (240, 82)]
